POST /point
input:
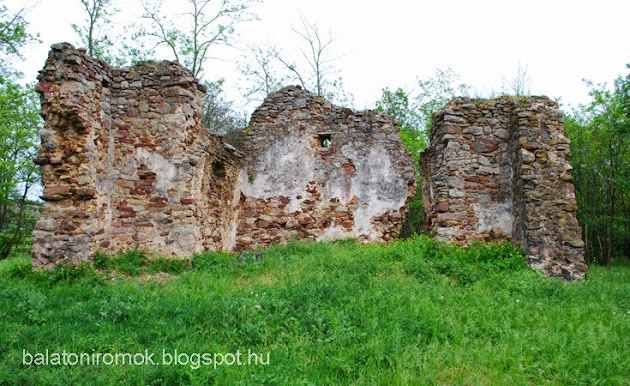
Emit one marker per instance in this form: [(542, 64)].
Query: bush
[(21, 269), (102, 261), (130, 262), (70, 273), (135, 263), (414, 221)]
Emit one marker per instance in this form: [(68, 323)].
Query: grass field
[(411, 312)]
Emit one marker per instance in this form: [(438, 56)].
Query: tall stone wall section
[(499, 170), (316, 171), (127, 164)]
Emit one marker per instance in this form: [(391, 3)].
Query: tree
[(212, 23), (219, 116), (434, 92), (259, 67), (622, 85), (600, 155), (90, 33), (13, 35), (414, 111), (315, 55), (19, 124), (315, 72), (520, 83), (410, 118), (398, 104)]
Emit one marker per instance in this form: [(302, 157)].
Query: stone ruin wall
[(294, 187), (126, 164), (499, 170)]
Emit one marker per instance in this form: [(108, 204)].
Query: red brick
[(442, 207), (60, 190)]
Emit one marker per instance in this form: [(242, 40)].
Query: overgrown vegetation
[(414, 311), (600, 156), (19, 125), (414, 113), (135, 263)]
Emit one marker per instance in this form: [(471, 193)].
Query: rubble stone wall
[(126, 164), (320, 172), (499, 170)]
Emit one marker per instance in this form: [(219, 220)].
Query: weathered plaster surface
[(293, 187)]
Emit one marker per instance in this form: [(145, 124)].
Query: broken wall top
[(341, 173), (121, 154)]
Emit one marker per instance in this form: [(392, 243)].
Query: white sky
[(392, 43)]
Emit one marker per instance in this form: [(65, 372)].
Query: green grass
[(412, 312)]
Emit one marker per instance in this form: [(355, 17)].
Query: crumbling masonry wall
[(315, 171), (499, 170), (126, 164)]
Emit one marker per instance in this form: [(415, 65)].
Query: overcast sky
[(392, 43)]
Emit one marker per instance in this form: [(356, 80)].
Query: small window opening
[(324, 140)]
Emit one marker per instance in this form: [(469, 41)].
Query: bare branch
[(315, 54), (292, 68)]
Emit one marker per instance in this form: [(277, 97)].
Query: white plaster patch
[(295, 204), (334, 233), (494, 215), (165, 171), (444, 234), (284, 169), (377, 183)]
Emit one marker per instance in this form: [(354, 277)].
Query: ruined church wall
[(499, 170), (73, 158), (127, 164), (294, 187)]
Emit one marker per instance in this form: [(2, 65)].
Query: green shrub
[(102, 261), (21, 269), (130, 262), (414, 222), (70, 273)]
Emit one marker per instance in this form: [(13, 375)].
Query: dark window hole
[(324, 140)]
